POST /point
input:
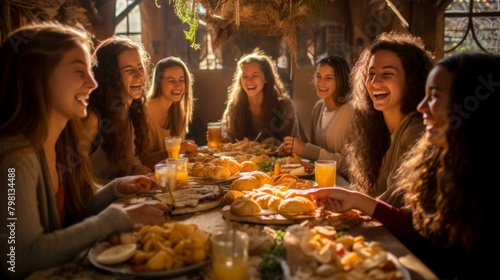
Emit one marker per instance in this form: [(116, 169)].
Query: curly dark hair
[(342, 69), (237, 117), (108, 102), (370, 138), (447, 188)]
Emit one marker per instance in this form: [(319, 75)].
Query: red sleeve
[(398, 222)]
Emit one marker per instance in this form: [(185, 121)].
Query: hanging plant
[(186, 11), (227, 18)]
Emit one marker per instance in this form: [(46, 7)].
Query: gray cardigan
[(40, 240)]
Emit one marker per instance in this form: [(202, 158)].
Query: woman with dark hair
[(388, 82), (447, 215), (331, 115), (258, 103), (170, 104), (48, 191), (117, 125)]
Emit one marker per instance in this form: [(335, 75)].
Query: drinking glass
[(325, 173), (230, 255), (181, 170), (214, 134), (173, 146), (165, 174)]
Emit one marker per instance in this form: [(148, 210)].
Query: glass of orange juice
[(325, 172), (230, 255), (181, 170), (173, 146), (214, 134), (165, 174)]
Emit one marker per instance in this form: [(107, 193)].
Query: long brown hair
[(370, 138), (237, 117), (449, 189), (108, 103), (180, 114), (29, 56)]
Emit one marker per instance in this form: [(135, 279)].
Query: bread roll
[(198, 170), (263, 178), (219, 172), (248, 166), (245, 183), (244, 207), (262, 199), (274, 203), (267, 189), (230, 197), (229, 163), (296, 205)]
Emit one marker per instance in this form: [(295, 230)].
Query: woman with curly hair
[(331, 115), (388, 82), (170, 104), (47, 180), (117, 125), (258, 103), (448, 211)]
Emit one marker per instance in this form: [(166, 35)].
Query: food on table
[(191, 196), (245, 206), (296, 205), (321, 253), (246, 146), (245, 183), (217, 168), (247, 166), (117, 254), (230, 196), (173, 245)]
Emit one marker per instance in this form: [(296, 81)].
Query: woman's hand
[(189, 147), (334, 199), (147, 213), (136, 184), (293, 145), (337, 199)]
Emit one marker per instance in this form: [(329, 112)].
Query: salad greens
[(270, 266)]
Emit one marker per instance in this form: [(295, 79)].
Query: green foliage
[(186, 12), (270, 266), (266, 165)]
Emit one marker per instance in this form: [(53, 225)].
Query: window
[(130, 25), (472, 25)]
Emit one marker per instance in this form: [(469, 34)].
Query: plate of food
[(310, 255), (192, 180), (146, 255), (189, 199)]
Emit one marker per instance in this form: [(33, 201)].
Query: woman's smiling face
[(325, 82), (71, 83), (252, 79), (173, 83), (132, 72), (385, 81), (435, 105)]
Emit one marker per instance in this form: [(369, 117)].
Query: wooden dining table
[(212, 220)]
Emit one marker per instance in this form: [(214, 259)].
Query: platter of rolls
[(257, 197), (215, 170)]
